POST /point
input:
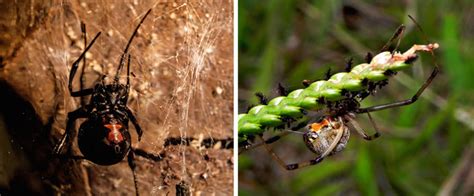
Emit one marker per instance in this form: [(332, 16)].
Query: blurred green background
[(426, 148)]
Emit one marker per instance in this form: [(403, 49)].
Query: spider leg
[(335, 141), (403, 102), (300, 165), (132, 165), (75, 65), (66, 140), (125, 51), (361, 132), (377, 132), (274, 155), (267, 141), (84, 34), (128, 73), (135, 123), (290, 166), (276, 137)]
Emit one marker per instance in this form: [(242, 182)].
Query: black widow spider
[(104, 137)]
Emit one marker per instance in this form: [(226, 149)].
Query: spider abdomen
[(322, 136), (104, 143), (343, 141)]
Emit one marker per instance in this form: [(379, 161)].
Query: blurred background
[(426, 148)]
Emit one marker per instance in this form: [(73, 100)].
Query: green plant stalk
[(261, 117)]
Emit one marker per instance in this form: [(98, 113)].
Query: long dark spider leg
[(377, 132), (129, 112), (125, 51), (290, 166), (273, 154), (128, 74), (361, 132), (132, 165), (84, 34), (66, 140), (276, 137), (300, 165), (403, 102), (266, 141), (75, 65), (135, 123), (127, 86)]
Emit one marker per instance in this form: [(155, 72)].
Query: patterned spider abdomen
[(327, 137), (104, 142)]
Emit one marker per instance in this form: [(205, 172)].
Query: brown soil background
[(181, 87)]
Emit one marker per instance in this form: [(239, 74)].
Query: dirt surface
[(181, 88)]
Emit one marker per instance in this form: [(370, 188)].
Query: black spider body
[(104, 137), (110, 97)]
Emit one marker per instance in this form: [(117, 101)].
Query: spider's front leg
[(75, 65), (71, 118)]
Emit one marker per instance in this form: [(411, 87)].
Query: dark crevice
[(29, 139)]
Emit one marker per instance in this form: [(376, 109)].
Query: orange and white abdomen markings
[(114, 134), (317, 126)]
